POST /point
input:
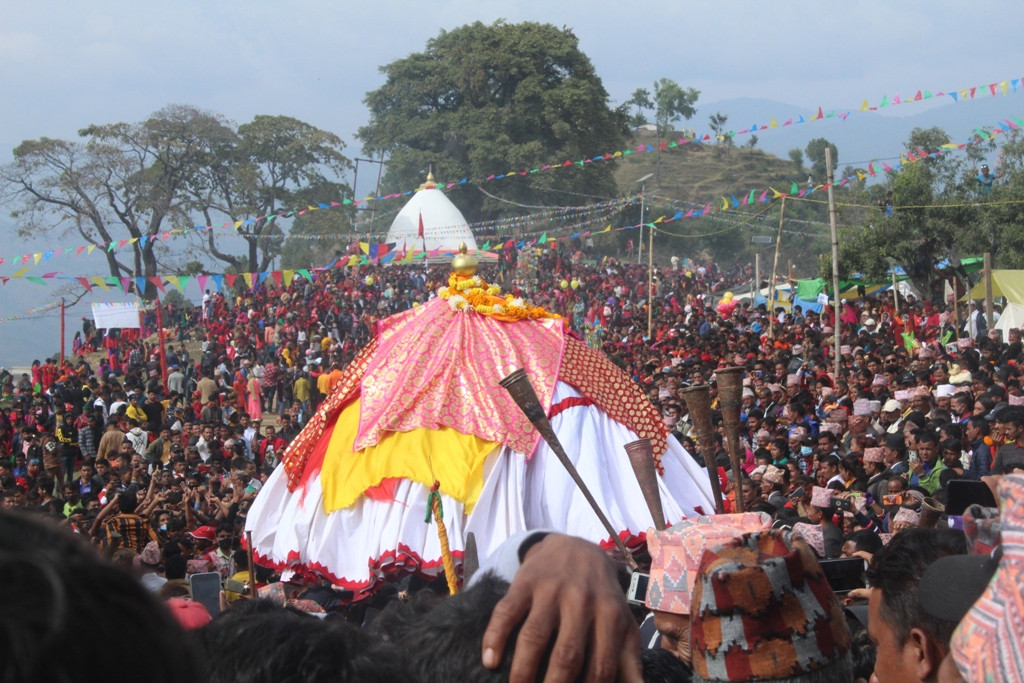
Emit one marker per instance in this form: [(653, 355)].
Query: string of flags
[(377, 253), (1005, 87)]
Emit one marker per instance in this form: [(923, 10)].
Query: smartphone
[(797, 494), (843, 504), (895, 499), (637, 594), (236, 586), (206, 591)]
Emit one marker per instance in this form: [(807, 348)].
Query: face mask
[(163, 527), (225, 544), (806, 450)]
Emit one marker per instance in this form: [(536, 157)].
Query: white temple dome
[(444, 226)]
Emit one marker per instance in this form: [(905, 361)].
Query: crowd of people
[(919, 430)]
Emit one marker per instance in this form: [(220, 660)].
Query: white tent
[(444, 226), (1011, 317)]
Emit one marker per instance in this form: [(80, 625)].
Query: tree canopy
[(132, 181), (484, 99), (938, 212)]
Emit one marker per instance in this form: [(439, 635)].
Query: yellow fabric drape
[(422, 455)]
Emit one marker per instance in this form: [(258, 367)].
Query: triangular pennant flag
[(543, 239), (486, 246), (248, 279), (896, 99), (37, 280), (773, 124), (36, 257), (229, 280), (992, 89), (98, 281), (927, 94), (262, 277), (201, 281), (183, 281), (794, 189), (287, 275), (85, 283), (175, 282), (973, 91), (608, 229), (126, 283), (218, 281), (276, 275), (305, 273), (159, 283), (865, 106), (140, 284), (917, 97), (884, 102)]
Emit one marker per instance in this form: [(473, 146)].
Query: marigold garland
[(471, 292)]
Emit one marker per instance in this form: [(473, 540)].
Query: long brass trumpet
[(641, 458), (519, 388), (698, 402), (730, 394)]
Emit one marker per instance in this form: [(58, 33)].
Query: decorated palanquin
[(422, 403)]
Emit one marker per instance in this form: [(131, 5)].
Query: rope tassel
[(434, 506)]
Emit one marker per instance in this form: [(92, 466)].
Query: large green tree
[(132, 181), (938, 213), (485, 100)]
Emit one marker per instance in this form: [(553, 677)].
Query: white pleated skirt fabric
[(360, 546)]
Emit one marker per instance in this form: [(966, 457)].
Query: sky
[(66, 65)]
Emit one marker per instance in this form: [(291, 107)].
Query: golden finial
[(465, 262), (430, 182)]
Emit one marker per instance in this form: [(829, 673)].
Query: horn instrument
[(522, 392), (698, 402), (730, 393)]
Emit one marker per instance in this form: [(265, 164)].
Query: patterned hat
[(862, 407), (874, 455), (987, 645), (676, 552), (773, 475), (833, 427), (763, 609), (821, 498), (906, 516), (813, 534)]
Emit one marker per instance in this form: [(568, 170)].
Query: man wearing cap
[(891, 417), (874, 467), (762, 610), (675, 557)]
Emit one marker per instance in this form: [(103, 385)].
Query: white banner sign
[(111, 316)]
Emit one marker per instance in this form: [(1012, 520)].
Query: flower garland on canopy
[(469, 292)]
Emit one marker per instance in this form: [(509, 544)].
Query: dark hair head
[(442, 637), (71, 605), (260, 642), (896, 570)]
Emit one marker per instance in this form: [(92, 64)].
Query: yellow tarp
[(1005, 283), (424, 455)]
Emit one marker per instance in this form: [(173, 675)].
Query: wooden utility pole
[(837, 325), (650, 282), (775, 270), (987, 262)]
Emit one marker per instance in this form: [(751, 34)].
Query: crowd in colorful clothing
[(878, 461)]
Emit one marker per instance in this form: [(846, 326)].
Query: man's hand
[(565, 585)]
